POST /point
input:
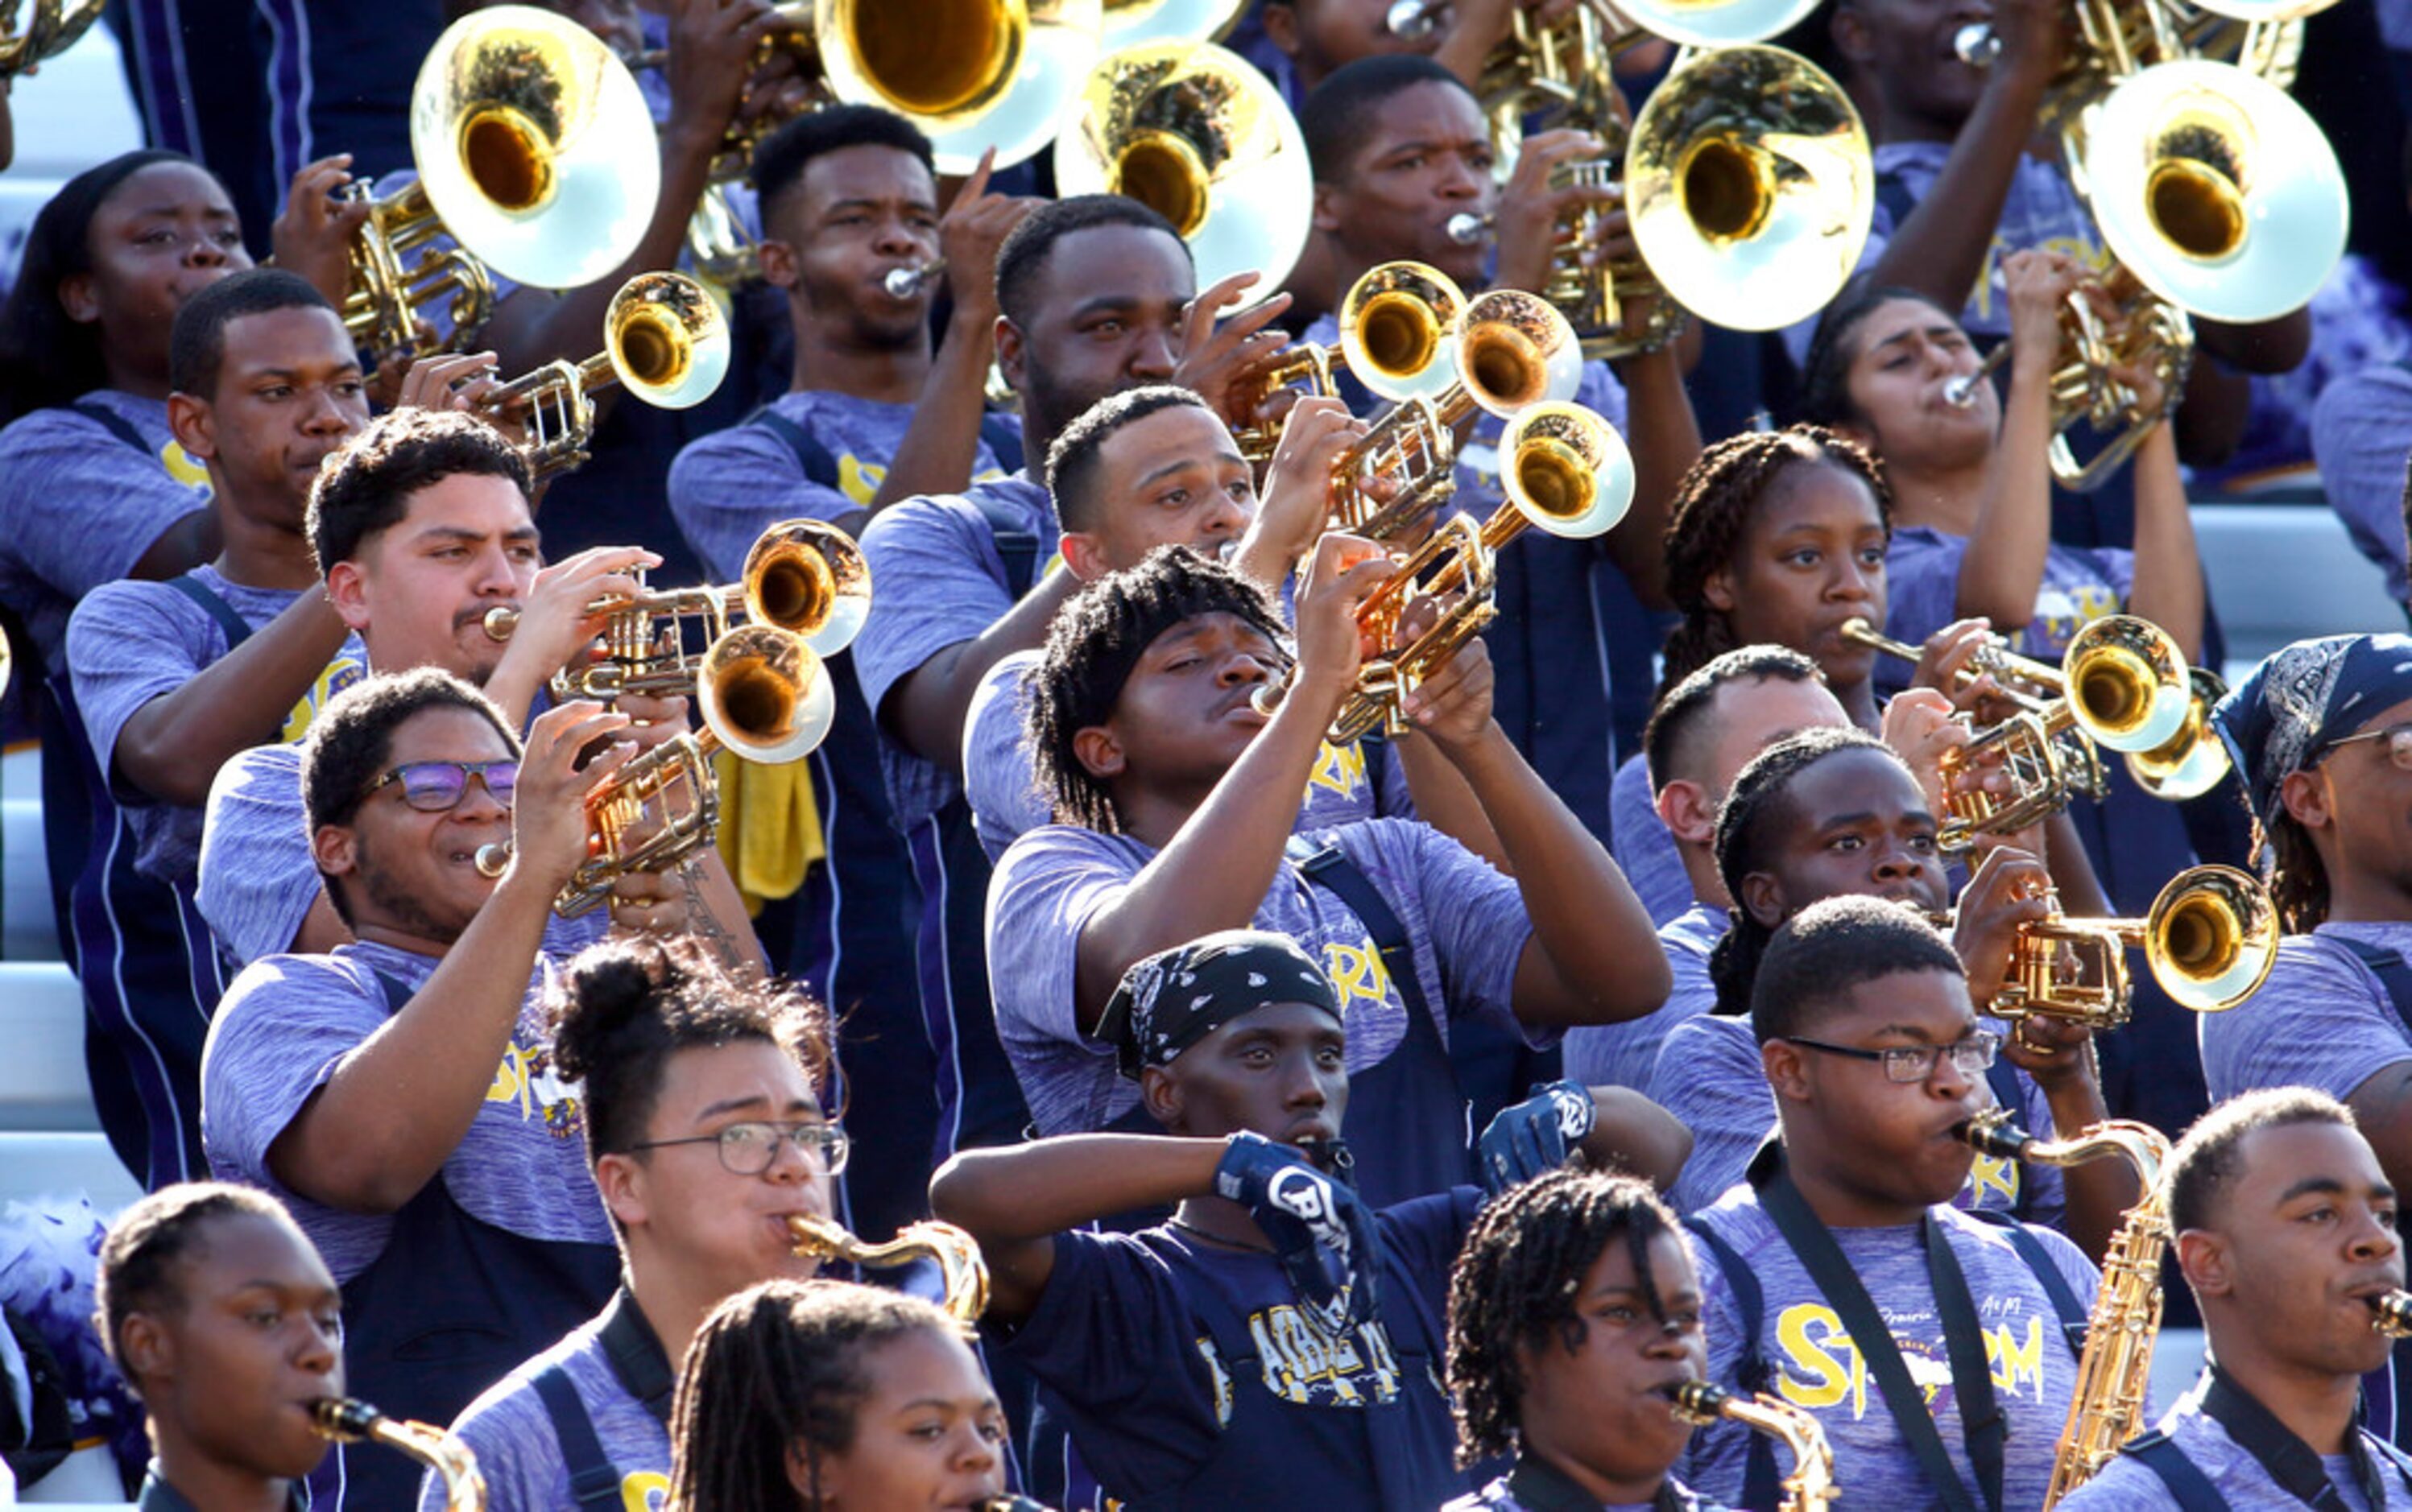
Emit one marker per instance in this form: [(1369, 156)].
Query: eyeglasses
[(1971, 1056), (2398, 739), (438, 786), (748, 1149)]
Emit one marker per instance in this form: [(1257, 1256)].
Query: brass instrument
[(1811, 1485), (2208, 939), (663, 340), (2115, 1370), (904, 283), (1196, 133), (957, 1252), (54, 26), (2391, 1315), (1131, 22), (1394, 326), (1567, 471), (342, 1420)]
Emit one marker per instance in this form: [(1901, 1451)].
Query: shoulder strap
[(1004, 440), (114, 423), (1759, 1488), (218, 609), (2187, 1484), (2004, 1079), (2388, 967), (1330, 868), (593, 1480), (2063, 1296), (1017, 546), (815, 459), (397, 997)]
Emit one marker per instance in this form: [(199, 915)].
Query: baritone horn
[(342, 1420), (665, 341), (1811, 1486), (2208, 939), (957, 1252)]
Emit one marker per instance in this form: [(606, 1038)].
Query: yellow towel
[(769, 827)]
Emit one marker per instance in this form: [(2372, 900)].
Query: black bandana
[(1175, 998)]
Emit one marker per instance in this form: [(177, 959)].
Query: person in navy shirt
[(2284, 1227), (228, 1326), (1573, 1310), (1277, 1338), (704, 1129)]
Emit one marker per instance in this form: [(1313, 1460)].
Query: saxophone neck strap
[(2294, 1464)]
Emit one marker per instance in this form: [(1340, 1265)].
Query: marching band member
[(1929, 1346), (700, 1094), (228, 1325), (2284, 1227), (1159, 1346)]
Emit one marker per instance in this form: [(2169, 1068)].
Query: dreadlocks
[(780, 1368), (1757, 816), (1097, 638), (1712, 510), (2299, 885), (1515, 1285)]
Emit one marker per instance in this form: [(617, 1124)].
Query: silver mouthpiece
[(1976, 44), (1415, 18), (904, 283), (1465, 227), (1961, 393)]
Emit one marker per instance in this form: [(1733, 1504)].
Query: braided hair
[(2299, 885), (150, 1239), (1096, 639), (780, 1368), (1751, 825), (1515, 1285), (1712, 509)]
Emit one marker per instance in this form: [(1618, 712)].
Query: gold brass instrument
[(957, 1252), (1394, 327), (1196, 133), (2115, 1370), (1811, 1485), (904, 283), (2391, 1315), (54, 26), (665, 341), (1131, 22), (2209, 940), (342, 1420)]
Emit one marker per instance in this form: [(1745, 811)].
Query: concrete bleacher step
[(43, 1087)]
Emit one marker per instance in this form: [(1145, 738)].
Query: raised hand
[(1534, 1135), (1324, 1238)]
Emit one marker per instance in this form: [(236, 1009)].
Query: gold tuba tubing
[(342, 1420), (957, 1252), (1811, 1485)]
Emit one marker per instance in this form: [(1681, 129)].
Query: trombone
[(342, 1420), (957, 1252), (54, 26), (2208, 939), (664, 340)]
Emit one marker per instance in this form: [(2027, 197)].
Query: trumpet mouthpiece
[(1978, 44), (1412, 17), (1961, 393), (1465, 227), (493, 861), (2392, 1314), (500, 622), (904, 283)]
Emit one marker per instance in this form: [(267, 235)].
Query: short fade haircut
[(1333, 118), (1096, 639), (196, 344), (1072, 460), (1834, 946), (352, 738), (140, 1257), (366, 485), (1022, 257), (1669, 747), (2210, 1158), (780, 161)]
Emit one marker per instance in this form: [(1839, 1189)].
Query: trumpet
[(2115, 1370), (1394, 326), (2391, 1315), (2210, 939), (957, 1252), (663, 340), (1811, 1485), (904, 283), (54, 26), (342, 1420)]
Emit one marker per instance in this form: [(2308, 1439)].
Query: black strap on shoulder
[(2389, 966), (1017, 546), (1004, 440), (639, 1362), (2187, 1484), (2284, 1458), (1894, 197), (218, 609), (816, 461), (1759, 1486), (114, 423), (2004, 1079), (397, 997), (593, 1480), (1982, 1423), (2065, 1300), (1331, 868)]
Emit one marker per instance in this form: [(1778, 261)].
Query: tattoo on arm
[(704, 924)]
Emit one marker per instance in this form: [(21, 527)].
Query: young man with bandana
[(1177, 804), (2286, 1229), (1278, 1340), (1936, 1350)]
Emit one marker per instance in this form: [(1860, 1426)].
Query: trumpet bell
[(2216, 189), (971, 74), (764, 694), (1566, 470), (1394, 329), (2195, 760), (534, 146), (667, 340), (1751, 186), (809, 578), (1513, 349), (1196, 133), (1711, 24), (2212, 937), (2128, 683)]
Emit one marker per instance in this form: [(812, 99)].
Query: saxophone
[(1810, 1488), (2108, 1408), (342, 1420), (957, 1253)]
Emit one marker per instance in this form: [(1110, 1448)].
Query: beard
[(394, 900), (1049, 407)]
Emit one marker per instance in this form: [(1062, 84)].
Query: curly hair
[(780, 1368), (139, 1258), (1517, 1280), (1712, 509), (365, 486), (1757, 816), (1096, 639)]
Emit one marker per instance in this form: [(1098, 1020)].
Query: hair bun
[(608, 986)]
